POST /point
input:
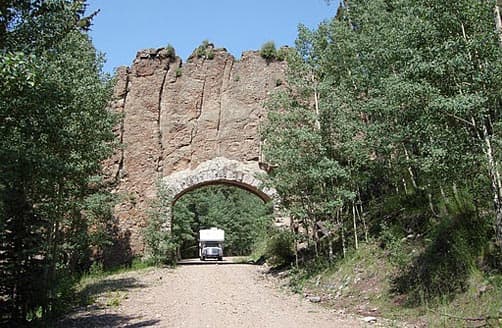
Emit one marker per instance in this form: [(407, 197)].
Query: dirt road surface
[(209, 295)]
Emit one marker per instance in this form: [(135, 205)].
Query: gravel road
[(208, 295)]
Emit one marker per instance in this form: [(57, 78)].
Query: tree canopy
[(243, 216), (54, 134), (391, 118)]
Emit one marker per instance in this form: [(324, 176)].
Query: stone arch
[(219, 170)]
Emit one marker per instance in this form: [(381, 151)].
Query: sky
[(125, 26)]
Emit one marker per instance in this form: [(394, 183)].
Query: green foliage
[(444, 267), (268, 50), (201, 49), (160, 247), (280, 247), (389, 109), (241, 214), (205, 50), (171, 52), (394, 243), (362, 272), (482, 299), (99, 282), (96, 269), (308, 174), (492, 259), (160, 244), (179, 72), (54, 134), (282, 53), (259, 248), (98, 215)]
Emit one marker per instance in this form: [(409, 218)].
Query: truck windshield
[(211, 244)]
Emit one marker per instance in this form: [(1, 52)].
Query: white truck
[(211, 243)]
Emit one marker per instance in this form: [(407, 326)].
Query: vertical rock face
[(176, 116)]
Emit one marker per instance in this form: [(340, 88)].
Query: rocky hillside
[(177, 115)]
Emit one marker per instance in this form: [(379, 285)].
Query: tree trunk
[(316, 104), (496, 185), (431, 204), (360, 215), (342, 232), (294, 230), (330, 250), (356, 242), (498, 226), (493, 165), (315, 237), (498, 22), (410, 171)]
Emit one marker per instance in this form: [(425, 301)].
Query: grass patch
[(480, 305), (358, 283), (362, 283), (113, 299), (103, 288), (443, 269)]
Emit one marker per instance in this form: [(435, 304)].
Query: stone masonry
[(177, 116)]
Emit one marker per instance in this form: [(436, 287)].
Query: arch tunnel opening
[(243, 214)]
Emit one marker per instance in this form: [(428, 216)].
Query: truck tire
[(203, 258), (220, 258)]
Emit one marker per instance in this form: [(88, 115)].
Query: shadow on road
[(109, 285), (109, 290), (104, 320)]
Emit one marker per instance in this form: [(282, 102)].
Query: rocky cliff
[(177, 115)]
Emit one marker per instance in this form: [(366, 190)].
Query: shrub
[(280, 247), (282, 53), (170, 51), (444, 267), (160, 248), (268, 50), (96, 269), (205, 50), (201, 50)]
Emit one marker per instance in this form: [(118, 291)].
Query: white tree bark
[(496, 184), (498, 22), (356, 242)]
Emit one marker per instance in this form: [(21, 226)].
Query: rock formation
[(177, 115)]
